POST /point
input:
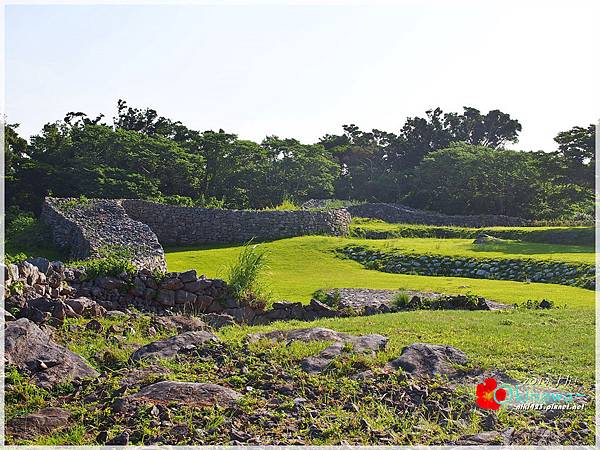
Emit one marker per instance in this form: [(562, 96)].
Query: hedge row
[(382, 230)]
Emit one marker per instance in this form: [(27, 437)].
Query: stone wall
[(554, 272), (395, 213), (182, 225), (45, 292), (87, 228)]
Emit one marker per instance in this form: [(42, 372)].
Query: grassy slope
[(299, 266)]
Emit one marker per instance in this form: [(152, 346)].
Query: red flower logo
[(485, 394)]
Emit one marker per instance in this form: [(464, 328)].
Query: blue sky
[(303, 71)]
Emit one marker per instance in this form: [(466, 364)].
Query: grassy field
[(299, 266)]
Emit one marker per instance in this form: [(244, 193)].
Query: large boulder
[(421, 359), (171, 347), (42, 422), (30, 349), (192, 394)]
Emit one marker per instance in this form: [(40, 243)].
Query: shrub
[(285, 205), (243, 275), (401, 300), (331, 298), (112, 262)]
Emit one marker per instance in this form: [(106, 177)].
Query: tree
[(576, 149)]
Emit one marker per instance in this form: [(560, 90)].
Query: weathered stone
[(26, 344), (188, 276), (483, 438), (179, 322), (193, 286), (421, 359), (109, 283), (202, 302), (218, 320), (43, 422), (42, 264), (94, 325), (171, 284), (169, 348), (192, 394), (166, 297), (86, 307)]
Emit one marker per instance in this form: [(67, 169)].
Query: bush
[(331, 299), (243, 275), (401, 300), (112, 262), (285, 205), (26, 236)]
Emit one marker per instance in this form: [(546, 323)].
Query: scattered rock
[(94, 325), (179, 323), (193, 394), (218, 320), (483, 438), (169, 348), (42, 422), (26, 345), (429, 359), (119, 439)]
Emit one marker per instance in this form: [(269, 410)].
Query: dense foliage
[(450, 162)]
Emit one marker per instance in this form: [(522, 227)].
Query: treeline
[(449, 162)]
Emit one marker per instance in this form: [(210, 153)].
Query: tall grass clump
[(243, 274), (285, 205)]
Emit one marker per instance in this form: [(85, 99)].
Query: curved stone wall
[(185, 226), (395, 213), (88, 228)]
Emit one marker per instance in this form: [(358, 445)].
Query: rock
[(166, 297), (119, 439), (545, 304), (192, 394), (483, 438), (369, 343), (218, 320), (115, 314), (321, 309), (42, 264), (169, 348), (343, 343), (300, 334), (188, 276), (26, 344), (42, 422), (109, 283), (179, 322), (94, 325), (8, 317), (171, 284), (429, 359)]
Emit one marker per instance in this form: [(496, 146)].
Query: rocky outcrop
[(343, 343), (30, 349), (429, 359), (88, 228), (395, 213), (192, 394), (43, 422), (171, 347), (183, 225)]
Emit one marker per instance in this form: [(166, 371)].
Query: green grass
[(299, 266), (522, 342), (378, 229)]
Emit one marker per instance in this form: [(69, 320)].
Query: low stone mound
[(421, 359), (43, 422), (487, 239), (376, 301), (31, 350), (192, 394), (169, 348), (342, 343)]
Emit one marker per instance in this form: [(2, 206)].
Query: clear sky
[(303, 71)]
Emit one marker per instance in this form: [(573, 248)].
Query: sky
[(297, 70)]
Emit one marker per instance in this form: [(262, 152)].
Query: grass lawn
[(299, 266)]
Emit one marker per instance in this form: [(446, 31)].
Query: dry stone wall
[(395, 213), (183, 225), (88, 228)]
